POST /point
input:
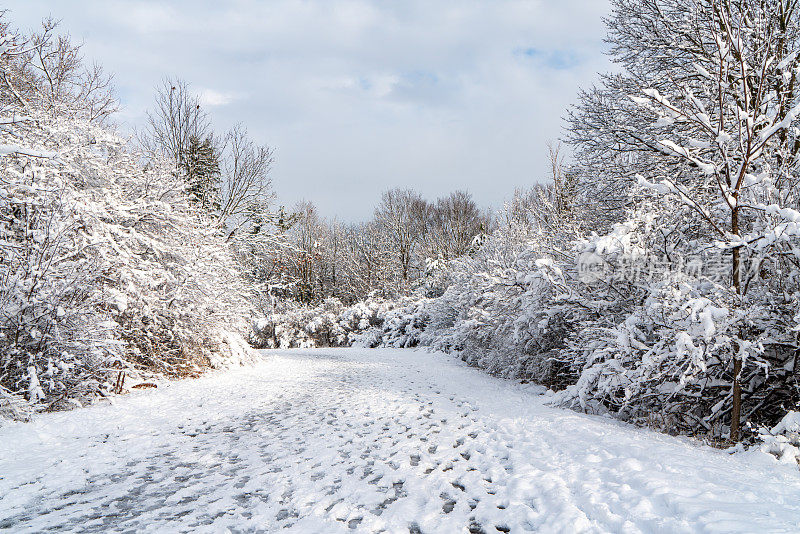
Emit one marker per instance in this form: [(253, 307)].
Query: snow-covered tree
[(107, 270), (201, 168), (698, 136)]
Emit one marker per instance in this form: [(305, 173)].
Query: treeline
[(294, 254), (401, 248)]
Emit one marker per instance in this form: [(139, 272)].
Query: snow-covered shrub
[(106, 267), (13, 407), (294, 325), (373, 322), (663, 347), (403, 323), (783, 440), (669, 358), (500, 310), (107, 271)]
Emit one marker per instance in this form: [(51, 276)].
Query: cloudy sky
[(358, 96)]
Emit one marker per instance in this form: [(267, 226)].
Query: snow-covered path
[(371, 441)]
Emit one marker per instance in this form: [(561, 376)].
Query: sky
[(358, 96)]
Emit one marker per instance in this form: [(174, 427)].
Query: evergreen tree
[(201, 167)]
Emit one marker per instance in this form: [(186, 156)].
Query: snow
[(790, 423), (338, 440), (785, 123), (702, 71), (16, 149), (783, 441)]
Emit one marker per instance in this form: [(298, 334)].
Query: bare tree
[(564, 181), (175, 120), (454, 222), (246, 182), (97, 93), (365, 260), (401, 216), (308, 238)]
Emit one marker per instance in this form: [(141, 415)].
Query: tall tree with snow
[(705, 117)]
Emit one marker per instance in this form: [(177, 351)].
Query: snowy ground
[(369, 441)]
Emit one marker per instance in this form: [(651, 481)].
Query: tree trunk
[(736, 403), (736, 406)]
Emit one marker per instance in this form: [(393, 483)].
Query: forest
[(652, 276)]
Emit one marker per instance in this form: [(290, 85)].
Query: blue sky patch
[(554, 59)]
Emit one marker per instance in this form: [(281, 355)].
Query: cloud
[(359, 95), (211, 98)]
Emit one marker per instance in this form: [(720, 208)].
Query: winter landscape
[(301, 300)]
